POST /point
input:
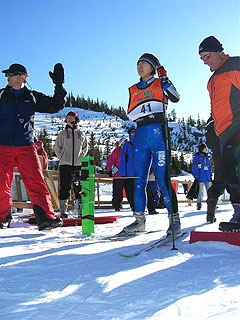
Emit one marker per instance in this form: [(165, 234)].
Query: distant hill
[(109, 129)]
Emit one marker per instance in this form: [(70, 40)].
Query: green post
[(88, 194)]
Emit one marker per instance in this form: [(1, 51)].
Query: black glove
[(57, 75), (110, 173)]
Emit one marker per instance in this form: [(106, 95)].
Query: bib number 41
[(146, 108)]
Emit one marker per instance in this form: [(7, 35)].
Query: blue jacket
[(126, 159), (17, 113), (201, 167)]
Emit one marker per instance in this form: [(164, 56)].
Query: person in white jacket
[(70, 146)]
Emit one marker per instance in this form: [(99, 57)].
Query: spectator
[(41, 152), (113, 168), (70, 146), (157, 196), (153, 200), (202, 172), (126, 170), (224, 92), (17, 108)]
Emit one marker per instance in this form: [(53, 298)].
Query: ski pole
[(168, 157)]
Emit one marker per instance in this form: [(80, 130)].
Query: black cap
[(201, 147), (15, 68), (150, 58), (210, 44)]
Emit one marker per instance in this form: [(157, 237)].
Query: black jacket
[(211, 138), (17, 114)]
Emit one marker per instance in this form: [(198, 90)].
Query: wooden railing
[(51, 178)]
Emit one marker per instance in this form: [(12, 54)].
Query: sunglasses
[(206, 57), (12, 74)]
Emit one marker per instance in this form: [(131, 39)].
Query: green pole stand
[(88, 195)]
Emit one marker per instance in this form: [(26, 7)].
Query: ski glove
[(162, 74), (57, 75)]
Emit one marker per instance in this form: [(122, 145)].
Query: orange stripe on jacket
[(221, 86)]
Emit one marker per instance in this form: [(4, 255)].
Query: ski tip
[(124, 255)]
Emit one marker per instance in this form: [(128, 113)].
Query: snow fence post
[(87, 196)]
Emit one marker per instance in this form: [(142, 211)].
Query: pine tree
[(183, 164), (198, 122), (93, 150), (97, 154), (173, 116), (175, 169), (107, 149), (91, 144)]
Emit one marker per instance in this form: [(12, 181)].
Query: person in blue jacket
[(126, 168), (202, 171)]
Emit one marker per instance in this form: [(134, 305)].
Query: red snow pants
[(28, 164)]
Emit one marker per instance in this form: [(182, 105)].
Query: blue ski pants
[(150, 150)]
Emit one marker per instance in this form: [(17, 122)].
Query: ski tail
[(159, 243)]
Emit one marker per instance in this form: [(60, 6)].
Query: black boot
[(6, 223), (199, 206), (211, 207), (43, 222)]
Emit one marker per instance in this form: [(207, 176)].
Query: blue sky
[(99, 43)]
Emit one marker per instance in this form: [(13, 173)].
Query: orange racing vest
[(144, 102)]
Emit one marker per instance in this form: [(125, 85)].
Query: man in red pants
[(17, 107)]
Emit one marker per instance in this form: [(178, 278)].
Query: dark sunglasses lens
[(13, 74)]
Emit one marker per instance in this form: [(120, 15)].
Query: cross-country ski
[(159, 243)]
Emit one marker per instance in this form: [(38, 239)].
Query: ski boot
[(43, 222), (137, 226), (211, 207), (199, 206), (50, 224), (176, 227), (63, 208), (6, 223), (236, 214), (234, 224), (154, 212)]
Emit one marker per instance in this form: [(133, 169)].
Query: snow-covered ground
[(45, 276)]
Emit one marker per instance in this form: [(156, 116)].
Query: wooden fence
[(51, 177)]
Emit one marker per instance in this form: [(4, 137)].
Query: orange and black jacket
[(224, 91)]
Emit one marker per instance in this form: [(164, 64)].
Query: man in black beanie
[(224, 92), (211, 52)]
